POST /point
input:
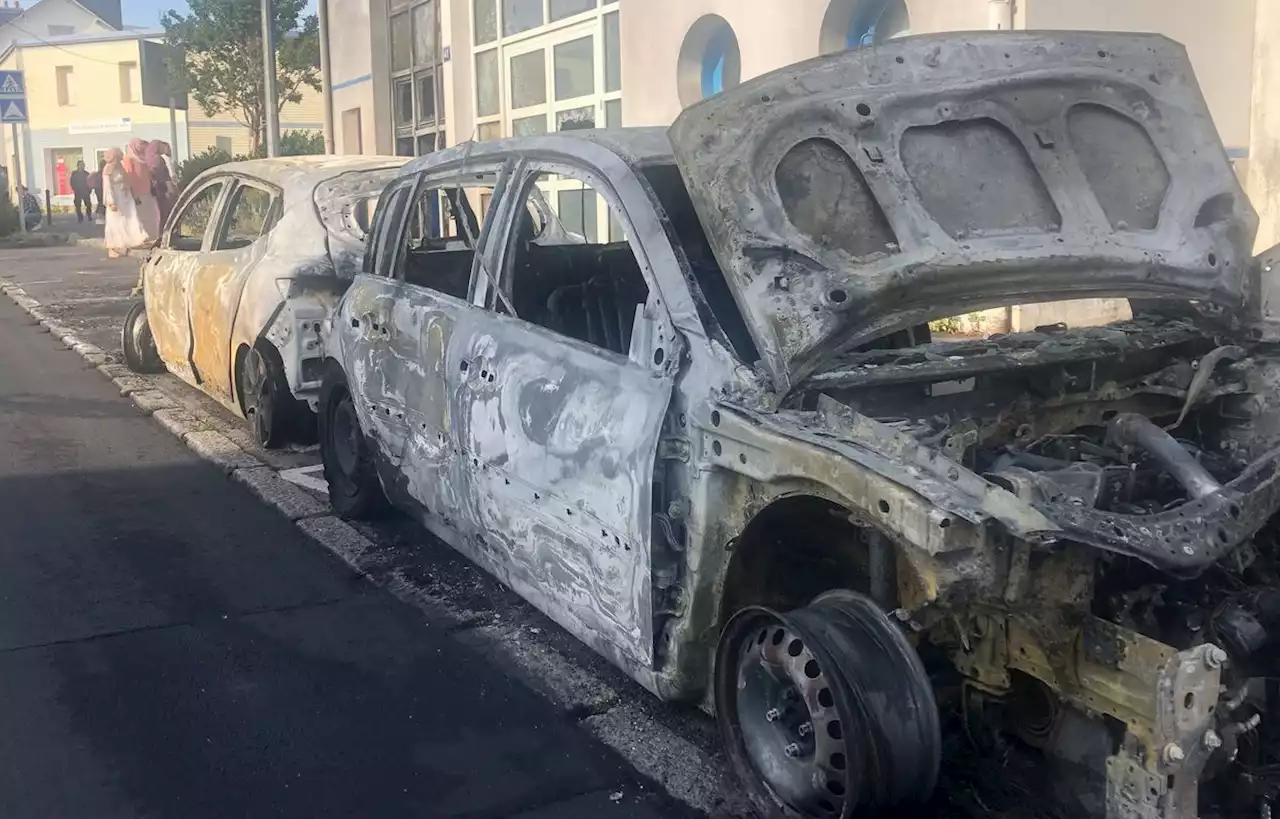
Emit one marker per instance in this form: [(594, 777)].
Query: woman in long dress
[(126, 227), (162, 181), (138, 174)]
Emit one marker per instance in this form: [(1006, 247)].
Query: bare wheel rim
[(345, 438), (140, 335), (826, 710), (257, 394)]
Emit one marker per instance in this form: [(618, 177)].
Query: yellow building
[(84, 95)]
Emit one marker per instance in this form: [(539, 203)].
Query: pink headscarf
[(110, 159), (135, 168)]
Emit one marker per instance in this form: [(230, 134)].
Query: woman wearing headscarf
[(138, 176), (122, 190), (162, 183)]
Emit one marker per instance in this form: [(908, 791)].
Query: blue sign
[(13, 97)]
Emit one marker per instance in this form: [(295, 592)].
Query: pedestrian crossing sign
[(12, 111), (13, 97)]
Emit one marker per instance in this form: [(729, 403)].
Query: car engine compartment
[(1137, 652)]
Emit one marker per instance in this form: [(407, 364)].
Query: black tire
[(137, 343), (349, 469), (268, 404)]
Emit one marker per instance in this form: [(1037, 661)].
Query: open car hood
[(855, 194)]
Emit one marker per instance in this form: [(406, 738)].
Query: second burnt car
[(678, 390), (254, 256)]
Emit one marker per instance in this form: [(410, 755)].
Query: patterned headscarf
[(136, 171)]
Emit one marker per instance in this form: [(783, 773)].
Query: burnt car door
[(364, 317), (238, 243), (560, 391), (171, 269), (435, 267)]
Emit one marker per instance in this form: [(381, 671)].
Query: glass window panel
[(486, 14), (529, 79), (577, 212), (428, 143), (404, 146), (561, 9), (575, 68), (613, 114), (520, 15), (489, 130), (426, 97), (575, 118), (404, 102), (488, 100), (612, 53), (424, 34), (616, 233), (529, 125), (401, 42)]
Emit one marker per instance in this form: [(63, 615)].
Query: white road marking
[(305, 476), (41, 281), (95, 299)]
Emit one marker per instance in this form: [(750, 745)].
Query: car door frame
[(359, 323), (432, 479), (592, 576), (168, 268), (215, 323)]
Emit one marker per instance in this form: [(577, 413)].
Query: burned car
[(678, 390), (254, 256)]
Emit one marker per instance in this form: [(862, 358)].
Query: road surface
[(169, 646)]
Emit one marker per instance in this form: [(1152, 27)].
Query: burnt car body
[(757, 482), (254, 256)]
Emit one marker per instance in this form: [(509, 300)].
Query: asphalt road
[(171, 647)]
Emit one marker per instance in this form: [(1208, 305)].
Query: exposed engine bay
[(1137, 655)]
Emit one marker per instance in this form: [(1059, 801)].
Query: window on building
[(520, 15), (401, 42), (62, 75), (250, 209), (60, 30), (352, 132), (404, 101), (527, 126), (425, 47), (559, 273), (528, 79), (426, 83), (613, 114), (444, 231), (222, 143), (404, 146), (573, 119), (486, 20), (709, 60), (489, 130), (575, 69), (128, 82), (612, 53), (488, 98), (561, 9)]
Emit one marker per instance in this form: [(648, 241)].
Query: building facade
[(490, 68)]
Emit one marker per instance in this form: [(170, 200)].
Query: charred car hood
[(855, 194)]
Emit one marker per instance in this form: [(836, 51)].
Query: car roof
[(635, 146), (305, 171)]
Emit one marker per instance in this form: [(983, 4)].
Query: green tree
[(223, 69)]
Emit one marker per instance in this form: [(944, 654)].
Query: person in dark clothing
[(95, 187), (80, 190)]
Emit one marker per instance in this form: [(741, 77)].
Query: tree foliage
[(223, 70)]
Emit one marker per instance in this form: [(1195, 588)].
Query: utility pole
[(272, 111), (17, 177), (326, 77)]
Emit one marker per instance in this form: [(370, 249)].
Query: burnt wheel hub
[(826, 711)]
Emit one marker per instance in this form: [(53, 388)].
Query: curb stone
[(267, 484), (701, 782)]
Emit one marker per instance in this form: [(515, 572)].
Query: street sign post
[(13, 110)]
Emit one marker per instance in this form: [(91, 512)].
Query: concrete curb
[(696, 779)]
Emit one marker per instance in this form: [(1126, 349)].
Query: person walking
[(162, 182), (126, 228), (95, 187), (80, 191), (138, 175)]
